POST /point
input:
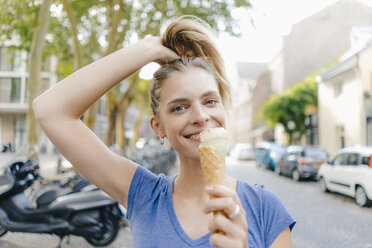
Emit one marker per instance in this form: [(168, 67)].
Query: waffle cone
[(213, 165)]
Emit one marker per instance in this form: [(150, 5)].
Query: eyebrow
[(182, 99)]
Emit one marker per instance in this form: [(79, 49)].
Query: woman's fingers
[(229, 229), (231, 232), (163, 54), (221, 191), (227, 204), (224, 199), (221, 241)]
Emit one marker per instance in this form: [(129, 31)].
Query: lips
[(194, 136)]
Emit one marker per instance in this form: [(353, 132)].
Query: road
[(323, 219)]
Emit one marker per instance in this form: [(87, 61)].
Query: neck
[(190, 180)]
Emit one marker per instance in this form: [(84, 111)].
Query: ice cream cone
[(212, 152), (213, 165)]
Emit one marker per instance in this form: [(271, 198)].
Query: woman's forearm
[(71, 97)]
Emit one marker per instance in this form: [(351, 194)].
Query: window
[(369, 131), (353, 159), (5, 65), (365, 160), (337, 87), (20, 132), (1, 131), (311, 125), (295, 153), (341, 159), (340, 136), (10, 60), (10, 90), (368, 103)]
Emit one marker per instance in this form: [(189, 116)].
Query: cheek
[(220, 116), (171, 126)]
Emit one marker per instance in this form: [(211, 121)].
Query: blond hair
[(189, 37)]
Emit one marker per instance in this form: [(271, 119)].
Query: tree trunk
[(112, 102), (137, 124), (112, 38), (120, 128), (89, 117), (35, 83), (78, 51), (123, 107), (109, 137)]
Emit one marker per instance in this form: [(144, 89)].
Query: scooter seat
[(19, 208), (6, 184)]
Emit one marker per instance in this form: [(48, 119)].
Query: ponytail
[(190, 38)]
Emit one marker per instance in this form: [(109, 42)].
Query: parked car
[(349, 173), (301, 162), (242, 151), (268, 154)]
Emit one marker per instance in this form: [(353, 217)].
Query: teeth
[(195, 136)]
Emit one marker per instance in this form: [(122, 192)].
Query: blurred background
[(300, 71)]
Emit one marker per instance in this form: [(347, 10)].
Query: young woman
[(188, 94)]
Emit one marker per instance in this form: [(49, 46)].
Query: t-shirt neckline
[(177, 225)]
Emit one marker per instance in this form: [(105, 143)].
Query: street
[(323, 220)]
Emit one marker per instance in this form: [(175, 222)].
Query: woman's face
[(189, 103)]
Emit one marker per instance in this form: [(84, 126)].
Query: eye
[(178, 109), (211, 101)]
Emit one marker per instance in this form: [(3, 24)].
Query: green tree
[(288, 109), (34, 84), (82, 31)]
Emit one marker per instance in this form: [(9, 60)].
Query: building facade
[(240, 121), (313, 43), (345, 100), (13, 94)]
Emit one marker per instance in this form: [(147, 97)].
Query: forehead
[(192, 81)]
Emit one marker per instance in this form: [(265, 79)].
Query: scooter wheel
[(111, 230), (3, 231)]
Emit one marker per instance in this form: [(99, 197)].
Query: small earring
[(161, 141)]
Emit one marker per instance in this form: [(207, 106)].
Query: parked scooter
[(46, 191), (88, 214)]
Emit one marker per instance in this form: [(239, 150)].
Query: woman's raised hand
[(230, 229), (161, 53)]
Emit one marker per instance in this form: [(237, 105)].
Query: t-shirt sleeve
[(145, 187), (276, 216)]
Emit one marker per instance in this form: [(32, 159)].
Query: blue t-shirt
[(154, 223)]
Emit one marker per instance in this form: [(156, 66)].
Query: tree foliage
[(288, 109), (95, 28)]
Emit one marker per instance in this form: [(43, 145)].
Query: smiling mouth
[(193, 137)]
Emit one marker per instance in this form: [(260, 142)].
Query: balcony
[(13, 95)]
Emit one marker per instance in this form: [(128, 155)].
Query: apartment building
[(345, 96), (313, 43), (13, 94)]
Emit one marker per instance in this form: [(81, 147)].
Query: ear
[(157, 127)]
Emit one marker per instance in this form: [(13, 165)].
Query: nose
[(199, 115)]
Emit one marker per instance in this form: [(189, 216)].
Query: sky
[(272, 20)]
